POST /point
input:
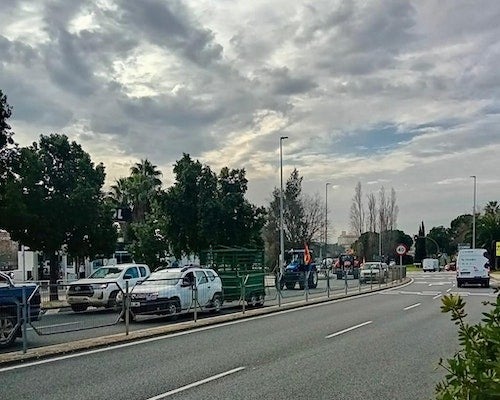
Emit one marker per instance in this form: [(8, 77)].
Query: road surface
[(378, 346)]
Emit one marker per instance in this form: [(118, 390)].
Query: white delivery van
[(430, 264), (473, 266)]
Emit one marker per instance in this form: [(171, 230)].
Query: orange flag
[(307, 254)]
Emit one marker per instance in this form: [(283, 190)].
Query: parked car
[(373, 272), (11, 295), (170, 292), (101, 288)]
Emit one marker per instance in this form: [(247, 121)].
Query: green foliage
[(420, 244), (474, 371), (54, 198)]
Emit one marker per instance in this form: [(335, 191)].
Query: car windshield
[(107, 272), (163, 275), (371, 265)]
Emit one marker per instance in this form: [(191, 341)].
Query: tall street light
[(326, 218), (282, 235), (474, 215)]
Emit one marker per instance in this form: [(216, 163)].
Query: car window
[(132, 272), (210, 274), (201, 277), (143, 271)]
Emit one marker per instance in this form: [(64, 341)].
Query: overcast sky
[(403, 94)]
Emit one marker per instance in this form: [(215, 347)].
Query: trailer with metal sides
[(241, 271)]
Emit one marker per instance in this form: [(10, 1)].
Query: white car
[(102, 287), (373, 272), (171, 291)]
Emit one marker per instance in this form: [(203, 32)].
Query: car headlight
[(103, 286)]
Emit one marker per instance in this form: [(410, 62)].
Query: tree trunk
[(54, 276)]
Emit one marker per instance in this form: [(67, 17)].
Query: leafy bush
[(474, 371)]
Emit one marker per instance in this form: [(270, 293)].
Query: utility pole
[(282, 235), (326, 219), (474, 215)]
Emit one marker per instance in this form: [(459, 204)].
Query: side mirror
[(186, 283), (127, 276)]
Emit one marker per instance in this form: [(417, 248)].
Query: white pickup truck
[(101, 288)]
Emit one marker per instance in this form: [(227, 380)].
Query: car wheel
[(79, 307), (7, 330), (173, 309), (216, 304), (112, 299), (261, 300)]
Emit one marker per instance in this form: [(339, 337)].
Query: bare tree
[(313, 223), (393, 211), (357, 215), (383, 210), (372, 213)]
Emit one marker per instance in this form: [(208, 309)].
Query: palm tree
[(492, 208), (147, 169)]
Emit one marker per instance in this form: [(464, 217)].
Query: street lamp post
[(474, 215), (326, 219), (282, 235)]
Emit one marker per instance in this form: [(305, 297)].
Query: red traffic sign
[(401, 249)]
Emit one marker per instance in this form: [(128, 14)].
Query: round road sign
[(401, 249)]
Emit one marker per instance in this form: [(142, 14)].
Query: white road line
[(412, 306), (436, 296), (194, 384), (449, 290), (55, 325), (348, 329)]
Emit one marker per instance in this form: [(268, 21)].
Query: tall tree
[(383, 210), (357, 215), (303, 217), (392, 212), (54, 198), (420, 244), (6, 144), (372, 213)]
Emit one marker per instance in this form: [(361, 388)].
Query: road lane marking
[(194, 384), (436, 296), (348, 329), (412, 306), (449, 290)]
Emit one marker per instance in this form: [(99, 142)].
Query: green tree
[(303, 217), (488, 229), (443, 238), (420, 244), (54, 198), (461, 229), (473, 373), (6, 144)]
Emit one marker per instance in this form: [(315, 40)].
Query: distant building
[(8, 251), (347, 239)]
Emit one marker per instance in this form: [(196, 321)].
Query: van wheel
[(173, 309)]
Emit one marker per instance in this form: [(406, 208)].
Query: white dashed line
[(194, 384), (412, 306), (348, 329)]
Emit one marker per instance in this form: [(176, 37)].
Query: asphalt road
[(378, 346), (63, 325)]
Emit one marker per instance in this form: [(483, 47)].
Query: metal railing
[(73, 311)]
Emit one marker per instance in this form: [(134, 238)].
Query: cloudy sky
[(392, 93)]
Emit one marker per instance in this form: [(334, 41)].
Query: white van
[(430, 264), (473, 266)]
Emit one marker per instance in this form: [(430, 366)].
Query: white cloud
[(396, 93)]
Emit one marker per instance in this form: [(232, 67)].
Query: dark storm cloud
[(16, 52), (284, 84), (167, 24)]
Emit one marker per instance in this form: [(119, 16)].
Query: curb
[(39, 353)]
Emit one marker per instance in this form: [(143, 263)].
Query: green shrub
[(474, 371)]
